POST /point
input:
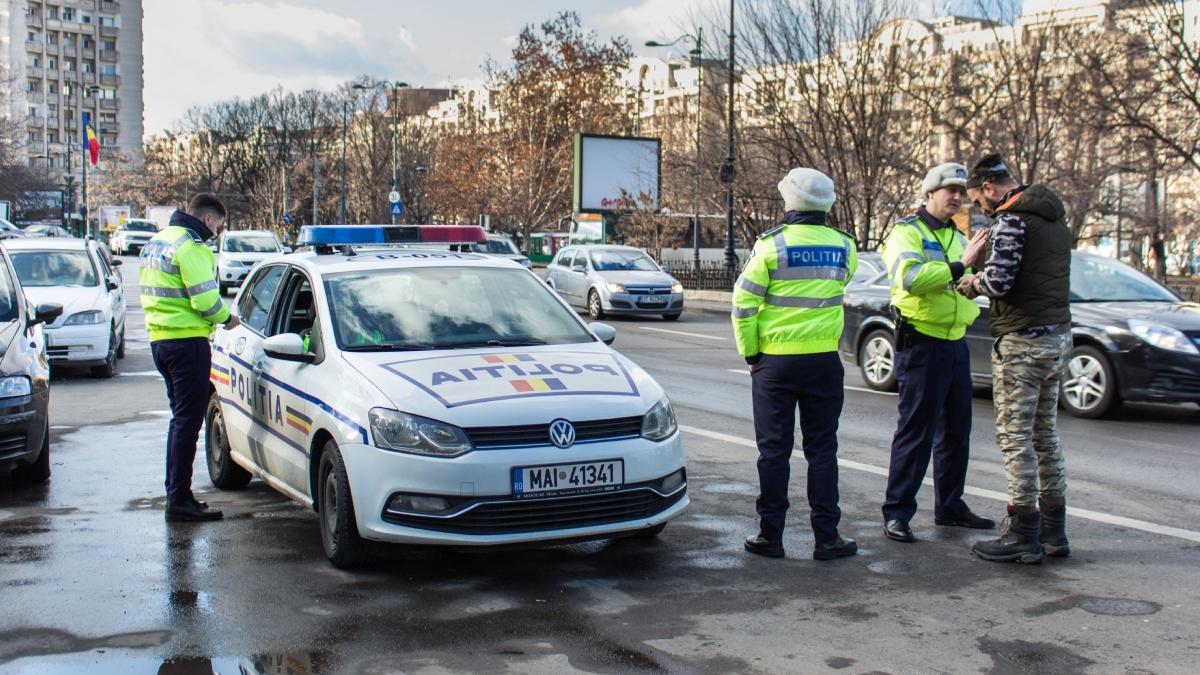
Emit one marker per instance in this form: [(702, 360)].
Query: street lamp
[(698, 52), (395, 86), (84, 157), (727, 167)]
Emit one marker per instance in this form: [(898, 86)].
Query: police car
[(435, 397)]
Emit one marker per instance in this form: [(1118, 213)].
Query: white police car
[(435, 397)]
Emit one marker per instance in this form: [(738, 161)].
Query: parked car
[(1134, 339), (607, 279), (10, 231), (47, 231), (502, 246), (75, 274), (238, 251), (131, 236), (24, 381)]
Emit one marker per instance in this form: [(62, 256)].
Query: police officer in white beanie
[(923, 256), (787, 319)]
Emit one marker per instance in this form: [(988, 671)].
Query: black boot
[(1054, 527), (1019, 539)]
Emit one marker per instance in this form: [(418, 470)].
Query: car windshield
[(866, 271), (1103, 280), (500, 246), (8, 296), (7, 226), (251, 245), (447, 308), (605, 260), (140, 226), (54, 268)]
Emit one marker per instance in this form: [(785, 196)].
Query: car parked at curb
[(24, 381), (607, 279), (1133, 338), (76, 274)]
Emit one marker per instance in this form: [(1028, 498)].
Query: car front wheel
[(595, 309), (339, 528), (877, 360), (1088, 388), (109, 367)]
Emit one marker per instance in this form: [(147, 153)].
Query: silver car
[(614, 280)]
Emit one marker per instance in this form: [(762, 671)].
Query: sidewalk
[(710, 302)]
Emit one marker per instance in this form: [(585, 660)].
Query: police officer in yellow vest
[(933, 366), (182, 302), (787, 318)]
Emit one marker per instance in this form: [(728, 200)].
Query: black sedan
[(24, 382), (1134, 339)]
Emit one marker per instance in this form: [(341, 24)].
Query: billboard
[(616, 173), (39, 206)]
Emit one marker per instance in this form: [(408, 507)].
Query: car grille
[(656, 290), (12, 445), (534, 515), (539, 434)]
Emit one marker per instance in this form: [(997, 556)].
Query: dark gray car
[(607, 279)]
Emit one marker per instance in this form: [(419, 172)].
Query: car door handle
[(257, 370)]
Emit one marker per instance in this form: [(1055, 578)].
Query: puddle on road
[(1097, 605), (893, 567)]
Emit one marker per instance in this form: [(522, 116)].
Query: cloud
[(658, 18), (204, 51)]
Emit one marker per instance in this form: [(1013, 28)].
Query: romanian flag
[(298, 420), (508, 358), (91, 143), (538, 384), (218, 374)]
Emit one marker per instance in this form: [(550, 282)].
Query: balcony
[(33, 21), (108, 31), (33, 71), (35, 120), (89, 78), (109, 79), (35, 46), (54, 24), (87, 4), (110, 128), (110, 55), (110, 7), (34, 97), (70, 123), (69, 50), (87, 52), (108, 104)]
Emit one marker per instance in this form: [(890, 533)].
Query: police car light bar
[(358, 235)]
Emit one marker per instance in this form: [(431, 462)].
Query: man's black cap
[(988, 168)]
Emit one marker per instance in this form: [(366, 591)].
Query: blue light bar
[(350, 235)]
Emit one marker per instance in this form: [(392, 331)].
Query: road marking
[(844, 386), (679, 332), (140, 373), (1098, 516)]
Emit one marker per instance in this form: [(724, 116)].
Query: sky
[(202, 51)]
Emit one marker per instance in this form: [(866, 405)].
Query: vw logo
[(562, 433)]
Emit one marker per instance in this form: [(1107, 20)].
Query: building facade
[(61, 58)]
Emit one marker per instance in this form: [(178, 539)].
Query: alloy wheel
[(879, 360), (1086, 382)]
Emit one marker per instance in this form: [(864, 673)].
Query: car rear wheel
[(109, 367), (339, 528), (877, 360), (222, 470), (595, 309), (39, 471), (1088, 388)]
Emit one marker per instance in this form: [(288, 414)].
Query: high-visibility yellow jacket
[(918, 263), (788, 299), (180, 294)]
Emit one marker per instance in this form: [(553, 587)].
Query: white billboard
[(616, 173)]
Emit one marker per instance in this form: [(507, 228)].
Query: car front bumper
[(22, 429), (479, 487), (85, 345), (232, 276), (637, 303), (1157, 375)]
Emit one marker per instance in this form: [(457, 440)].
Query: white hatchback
[(435, 397), (76, 274)]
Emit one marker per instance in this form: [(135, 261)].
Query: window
[(108, 21), (70, 65), (108, 69), (88, 67), (108, 94), (564, 257), (52, 12), (580, 259), (51, 64), (53, 87), (32, 86), (88, 43), (52, 137), (53, 107), (85, 18), (32, 111), (54, 268), (108, 45), (52, 38), (9, 308), (255, 307), (68, 89), (35, 62)]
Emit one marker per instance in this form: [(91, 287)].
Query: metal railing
[(712, 276)]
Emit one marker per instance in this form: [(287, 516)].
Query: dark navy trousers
[(935, 419), (184, 365), (812, 382)]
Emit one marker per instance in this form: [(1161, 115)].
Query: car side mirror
[(117, 262), (287, 249), (579, 268), (524, 252), (212, 247), (112, 285), (287, 347), (46, 313), (604, 332)]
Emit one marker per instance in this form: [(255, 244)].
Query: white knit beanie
[(944, 175), (807, 190)]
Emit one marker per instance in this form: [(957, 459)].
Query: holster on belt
[(904, 333)]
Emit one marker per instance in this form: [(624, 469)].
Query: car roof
[(249, 233), (608, 247), (46, 243), (390, 258)]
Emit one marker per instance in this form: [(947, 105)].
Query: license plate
[(567, 479), (653, 302)]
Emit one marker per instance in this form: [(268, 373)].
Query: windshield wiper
[(412, 347), (525, 342)]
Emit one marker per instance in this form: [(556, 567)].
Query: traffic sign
[(287, 219), (397, 209), (394, 197)]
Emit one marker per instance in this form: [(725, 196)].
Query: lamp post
[(84, 156), (342, 203), (727, 167), (698, 52), (395, 86)]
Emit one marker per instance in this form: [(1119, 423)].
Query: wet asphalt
[(93, 580)]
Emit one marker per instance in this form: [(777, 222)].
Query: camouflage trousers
[(1025, 377)]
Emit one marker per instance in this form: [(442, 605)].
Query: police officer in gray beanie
[(923, 256)]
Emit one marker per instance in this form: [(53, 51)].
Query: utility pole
[(727, 168), (342, 209), (394, 130)]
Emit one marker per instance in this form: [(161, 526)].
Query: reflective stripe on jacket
[(180, 294), (788, 299), (922, 288)]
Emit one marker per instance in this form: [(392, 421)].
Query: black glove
[(753, 360)]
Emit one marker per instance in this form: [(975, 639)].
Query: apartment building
[(60, 58)]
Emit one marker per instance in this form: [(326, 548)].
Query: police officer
[(182, 302), (787, 319), (923, 255)]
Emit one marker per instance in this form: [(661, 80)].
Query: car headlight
[(88, 318), (676, 287), (1163, 337), (15, 386), (614, 287), (394, 430), (659, 423)]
